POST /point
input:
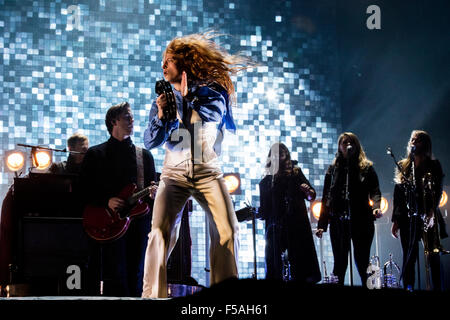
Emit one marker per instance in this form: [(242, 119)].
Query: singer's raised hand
[(184, 84)]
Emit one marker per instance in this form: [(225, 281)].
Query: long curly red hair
[(204, 61)]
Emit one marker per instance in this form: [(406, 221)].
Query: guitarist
[(107, 168)]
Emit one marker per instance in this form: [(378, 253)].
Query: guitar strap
[(140, 168)]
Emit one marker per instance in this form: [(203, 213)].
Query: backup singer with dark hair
[(350, 183), (417, 193), (283, 192), (199, 71), (107, 168)]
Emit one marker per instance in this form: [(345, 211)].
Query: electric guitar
[(102, 224)]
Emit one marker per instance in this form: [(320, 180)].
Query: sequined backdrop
[(64, 63)]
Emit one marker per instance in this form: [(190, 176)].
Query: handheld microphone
[(412, 151), (349, 154)]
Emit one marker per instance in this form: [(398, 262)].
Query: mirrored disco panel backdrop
[(64, 63)]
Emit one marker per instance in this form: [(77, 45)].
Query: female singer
[(350, 183), (288, 230), (200, 73), (416, 213)]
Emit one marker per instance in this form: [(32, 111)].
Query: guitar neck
[(138, 195)]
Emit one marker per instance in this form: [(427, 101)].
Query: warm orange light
[(444, 199), (232, 183), (384, 205), (15, 161), (41, 159), (315, 208)]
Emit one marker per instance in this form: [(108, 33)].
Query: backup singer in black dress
[(423, 204), (351, 219), (283, 192)]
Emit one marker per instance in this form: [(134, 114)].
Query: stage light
[(315, 208), (42, 159), (384, 205), (15, 160), (443, 200), (233, 182)]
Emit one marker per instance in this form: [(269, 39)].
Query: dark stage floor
[(245, 299)]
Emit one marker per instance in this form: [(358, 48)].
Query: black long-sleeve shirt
[(108, 167), (363, 187), (277, 193)]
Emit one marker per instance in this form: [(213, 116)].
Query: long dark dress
[(288, 227)]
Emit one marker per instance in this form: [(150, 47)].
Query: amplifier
[(53, 255)]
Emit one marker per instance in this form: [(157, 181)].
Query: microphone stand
[(410, 191), (255, 270), (347, 217), (253, 213), (50, 149)]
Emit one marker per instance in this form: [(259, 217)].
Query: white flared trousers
[(172, 195)]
